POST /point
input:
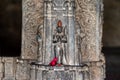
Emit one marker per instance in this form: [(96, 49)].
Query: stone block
[(9, 67), (22, 71)]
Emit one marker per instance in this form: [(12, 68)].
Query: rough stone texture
[(14, 69), (32, 18), (63, 72), (33, 73), (8, 68), (22, 70), (89, 21), (88, 15), (53, 12)]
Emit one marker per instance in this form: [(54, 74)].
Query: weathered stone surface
[(33, 73), (89, 22), (96, 73), (39, 75), (22, 70), (89, 17), (62, 73), (32, 18), (9, 68), (55, 11)]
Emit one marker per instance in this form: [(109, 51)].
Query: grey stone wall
[(11, 69), (88, 16), (15, 69), (32, 18)]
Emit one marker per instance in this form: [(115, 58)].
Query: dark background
[(11, 25)]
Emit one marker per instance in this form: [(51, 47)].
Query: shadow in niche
[(9, 50), (10, 28), (112, 55)]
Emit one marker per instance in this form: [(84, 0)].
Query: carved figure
[(59, 39), (39, 40)]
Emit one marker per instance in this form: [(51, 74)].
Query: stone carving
[(67, 30), (64, 11), (59, 39), (39, 38), (88, 18), (30, 25)]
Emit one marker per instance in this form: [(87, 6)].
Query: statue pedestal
[(65, 72)]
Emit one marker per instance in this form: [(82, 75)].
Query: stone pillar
[(33, 72), (39, 74), (22, 70), (9, 69), (71, 32), (48, 31), (32, 17), (89, 16)]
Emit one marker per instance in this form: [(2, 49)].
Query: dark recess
[(10, 28)]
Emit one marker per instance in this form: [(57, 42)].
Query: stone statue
[(59, 39), (39, 40)]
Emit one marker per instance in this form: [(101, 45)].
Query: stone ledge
[(59, 68)]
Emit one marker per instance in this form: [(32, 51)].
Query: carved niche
[(79, 40)]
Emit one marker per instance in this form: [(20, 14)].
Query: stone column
[(71, 32), (89, 16), (9, 69), (32, 17), (48, 31), (33, 72)]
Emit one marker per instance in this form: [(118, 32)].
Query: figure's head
[(59, 24)]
